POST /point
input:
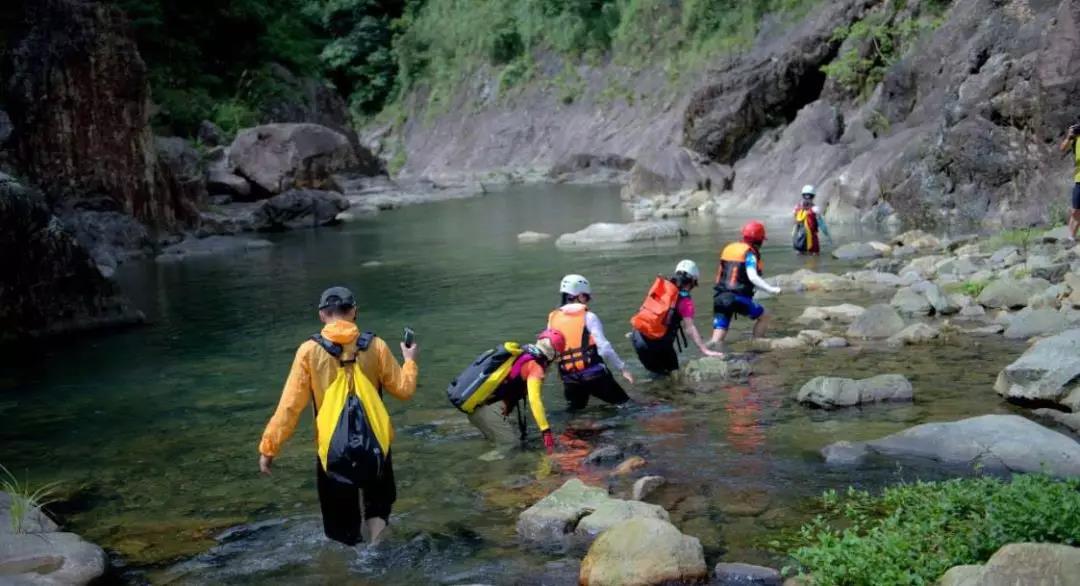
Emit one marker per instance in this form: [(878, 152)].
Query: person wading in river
[(737, 278), (316, 369), (1071, 143), (582, 370)]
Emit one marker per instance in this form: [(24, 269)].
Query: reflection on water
[(154, 431)]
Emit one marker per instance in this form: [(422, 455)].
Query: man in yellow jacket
[(313, 370)]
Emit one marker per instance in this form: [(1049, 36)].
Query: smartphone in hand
[(410, 337)]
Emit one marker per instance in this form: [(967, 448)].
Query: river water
[(153, 431)]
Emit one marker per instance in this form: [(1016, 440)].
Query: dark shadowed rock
[(80, 103), (51, 285), (299, 208), (739, 574), (210, 134)]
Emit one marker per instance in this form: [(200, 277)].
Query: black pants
[(602, 386), (657, 356), (340, 503)]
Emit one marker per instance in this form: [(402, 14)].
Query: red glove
[(549, 441)]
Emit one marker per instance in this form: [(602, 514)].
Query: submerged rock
[(996, 442), (878, 321), (856, 251), (299, 208), (911, 303), (1069, 420), (738, 574), (643, 552), (603, 234), (1030, 564), (833, 392), (1030, 322), (1048, 371), (844, 313), (212, 245), (708, 369), (914, 334), (646, 485), (530, 237)]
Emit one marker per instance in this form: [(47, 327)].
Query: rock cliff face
[(50, 283), (961, 129), (80, 105)]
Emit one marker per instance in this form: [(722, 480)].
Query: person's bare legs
[(761, 325), (375, 527), (1074, 223), (718, 337)]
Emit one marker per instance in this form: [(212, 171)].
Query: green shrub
[(24, 497), (971, 288), (1019, 237), (913, 533)]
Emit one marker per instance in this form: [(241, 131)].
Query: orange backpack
[(657, 312)]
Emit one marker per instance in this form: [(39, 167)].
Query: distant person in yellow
[(318, 365), (1070, 143)]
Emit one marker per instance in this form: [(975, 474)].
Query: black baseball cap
[(336, 297)]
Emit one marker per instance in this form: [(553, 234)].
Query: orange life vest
[(731, 275), (581, 352), (657, 312)]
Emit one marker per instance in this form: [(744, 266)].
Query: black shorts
[(727, 304), (657, 356), (340, 503), (602, 386), (1076, 196)]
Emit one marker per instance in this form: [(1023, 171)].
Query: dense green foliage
[(913, 533), (222, 59)]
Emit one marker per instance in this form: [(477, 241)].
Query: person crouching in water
[(737, 277), (808, 220), (525, 381), (580, 365), (316, 375), (668, 310)]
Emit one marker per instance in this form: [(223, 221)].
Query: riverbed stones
[(844, 453), (1006, 256), (1030, 322), (739, 574), (709, 369), (1010, 293), (816, 316), (1030, 564), (609, 514), (1069, 420), (608, 454), (914, 334), (279, 157), (299, 208), (643, 552), (878, 321), (41, 554), (856, 251), (909, 302), (1048, 371), (834, 392), (996, 442), (629, 465), (209, 246), (606, 235)]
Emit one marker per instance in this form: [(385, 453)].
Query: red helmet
[(754, 232), (558, 341)]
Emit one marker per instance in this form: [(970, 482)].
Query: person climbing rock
[(583, 372), (667, 312), (344, 372), (1071, 143), (737, 278), (493, 387), (808, 221)]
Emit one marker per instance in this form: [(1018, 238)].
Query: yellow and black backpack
[(482, 377), (353, 428)]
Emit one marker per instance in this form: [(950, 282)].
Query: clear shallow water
[(154, 430)]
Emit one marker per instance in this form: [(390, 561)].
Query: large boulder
[(299, 208), (643, 552), (1049, 371), (878, 321), (40, 554), (1030, 564), (51, 285), (609, 235), (572, 516), (910, 302), (995, 442), (185, 166), (738, 574), (79, 99), (941, 303), (832, 392), (279, 157)]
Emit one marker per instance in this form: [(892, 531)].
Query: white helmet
[(809, 190), (575, 285), (689, 267)]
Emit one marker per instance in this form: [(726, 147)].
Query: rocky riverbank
[(33, 550)]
